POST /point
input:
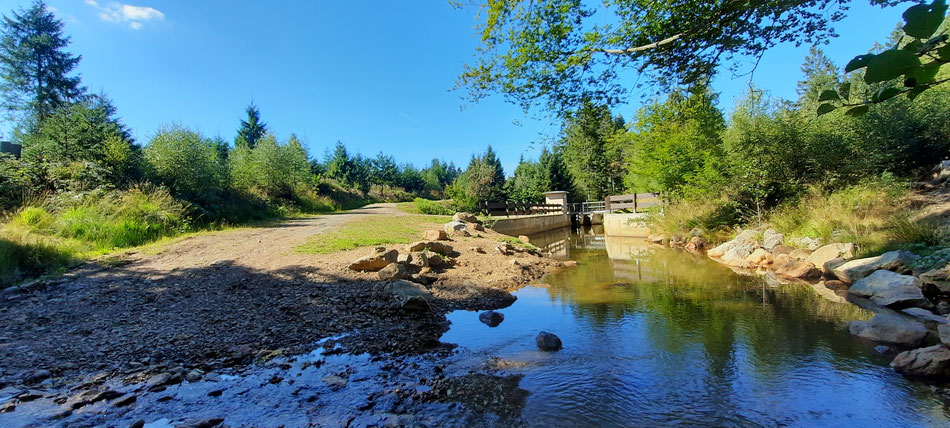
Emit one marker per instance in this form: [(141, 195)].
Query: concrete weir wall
[(626, 225), (528, 225)]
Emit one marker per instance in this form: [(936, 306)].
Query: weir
[(621, 215)]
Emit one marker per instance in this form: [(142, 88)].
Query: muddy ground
[(225, 301)]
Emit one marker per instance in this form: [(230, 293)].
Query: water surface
[(654, 336)]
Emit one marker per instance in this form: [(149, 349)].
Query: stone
[(806, 243), (695, 232), (782, 249), (739, 251), (828, 267), (491, 318), (422, 279), (159, 381), (746, 237), (393, 271), (36, 377), (434, 246), (943, 331), (887, 328), (454, 228), (899, 261), (834, 284), (418, 260), (798, 270), (401, 290), (415, 303), (548, 341), (376, 261), (760, 257), (937, 278), (942, 308), (657, 239), (436, 260), (695, 244), (830, 252), (930, 362), (138, 424), (882, 349), (887, 288), (201, 423), (194, 375), (925, 315), (800, 254), (772, 239), (435, 235), (524, 238), (404, 259), (569, 263), (465, 217)]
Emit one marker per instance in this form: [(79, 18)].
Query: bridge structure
[(580, 213)]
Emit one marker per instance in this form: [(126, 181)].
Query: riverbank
[(228, 299)]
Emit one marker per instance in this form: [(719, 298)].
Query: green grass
[(515, 241), (371, 231)]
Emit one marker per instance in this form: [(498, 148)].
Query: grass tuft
[(370, 232)]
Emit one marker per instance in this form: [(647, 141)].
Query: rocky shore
[(910, 297), (75, 341)]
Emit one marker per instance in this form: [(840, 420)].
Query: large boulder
[(925, 315), (787, 267), (376, 261), (937, 278), (760, 257), (434, 246), (830, 252), (454, 228), (465, 217), (740, 251), (772, 239), (888, 288), (899, 261), (745, 237), (548, 341), (888, 328), (930, 362)]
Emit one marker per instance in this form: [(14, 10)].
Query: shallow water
[(654, 336)]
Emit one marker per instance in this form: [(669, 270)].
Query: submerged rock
[(898, 261), (491, 318), (890, 329), (931, 362), (548, 341), (887, 288)]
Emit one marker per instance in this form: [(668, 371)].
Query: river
[(656, 336)]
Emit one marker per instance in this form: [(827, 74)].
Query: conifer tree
[(252, 129)]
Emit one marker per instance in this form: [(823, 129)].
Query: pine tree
[(556, 175), (34, 66), (251, 129), (820, 74)]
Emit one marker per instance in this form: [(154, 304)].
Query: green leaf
[(923, 20), (887, 93), (857, 62), (828, 95), (927, 72), (857, 111), (825, 109), (890, 64), (913, 93), (913, 46), (845, 90)]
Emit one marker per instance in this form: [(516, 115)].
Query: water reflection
[(654, 335)]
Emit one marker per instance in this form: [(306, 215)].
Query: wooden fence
[(510, 208), (633, 201)]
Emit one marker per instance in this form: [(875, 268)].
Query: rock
[(797, 269), (434, 246), (524, 238), (454, 227), (942, 308), (782, 249), (479, 250), (465, 217), (194, 375), (831, 252), (695, 232), (887, 288), (36, 377), (159, 381), (882, 349), (7, 407), (201, 423), (127, 401), (772, 239), (760, 257), (422, 279), (419, 260), (943, 331), (834, 284), (401, 290), (569, 263), (491, 318), (434, 235), (404, 259), (335, 381), (415, 303), (800, 254), (548, 341), (138, 424), (806, 242), (221, 263), (375, 262), (436, 260), (888, 328), (937, 278), (739, 251), (931, 362), (829, 266), (746, 237), (657, 239), (695, 244), (925, 315), (393, 271), (898, 261)]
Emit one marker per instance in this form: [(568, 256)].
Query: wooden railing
[(510, 208), (633, 201)]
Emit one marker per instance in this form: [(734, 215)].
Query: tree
[(482, 181), (410, 179), (560, 53), (252, 129), (34, 64), (384, 170), (528, 182), (339, 166), (589, 148), (820, 73), (204, 178), (555, 172)]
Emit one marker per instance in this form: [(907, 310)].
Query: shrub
[(426, 206), (186, 163)]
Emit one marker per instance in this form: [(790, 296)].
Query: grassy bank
[(877, 215), (371, 231)]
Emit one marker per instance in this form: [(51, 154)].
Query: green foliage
[(251, 130), (426, 206), (34, 64), (14, 181), (372, 231), (24, 256), (174, 147), (592, 148), (482, 181), (273, 170)]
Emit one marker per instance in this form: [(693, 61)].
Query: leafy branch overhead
[(915, 60)]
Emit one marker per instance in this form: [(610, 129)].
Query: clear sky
[(376, 75)]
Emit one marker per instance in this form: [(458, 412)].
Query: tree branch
[(653, 45)]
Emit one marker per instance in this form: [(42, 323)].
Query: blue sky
[(376, 75)]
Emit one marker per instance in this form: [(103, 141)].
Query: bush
[(426, 206), (186, 163)]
